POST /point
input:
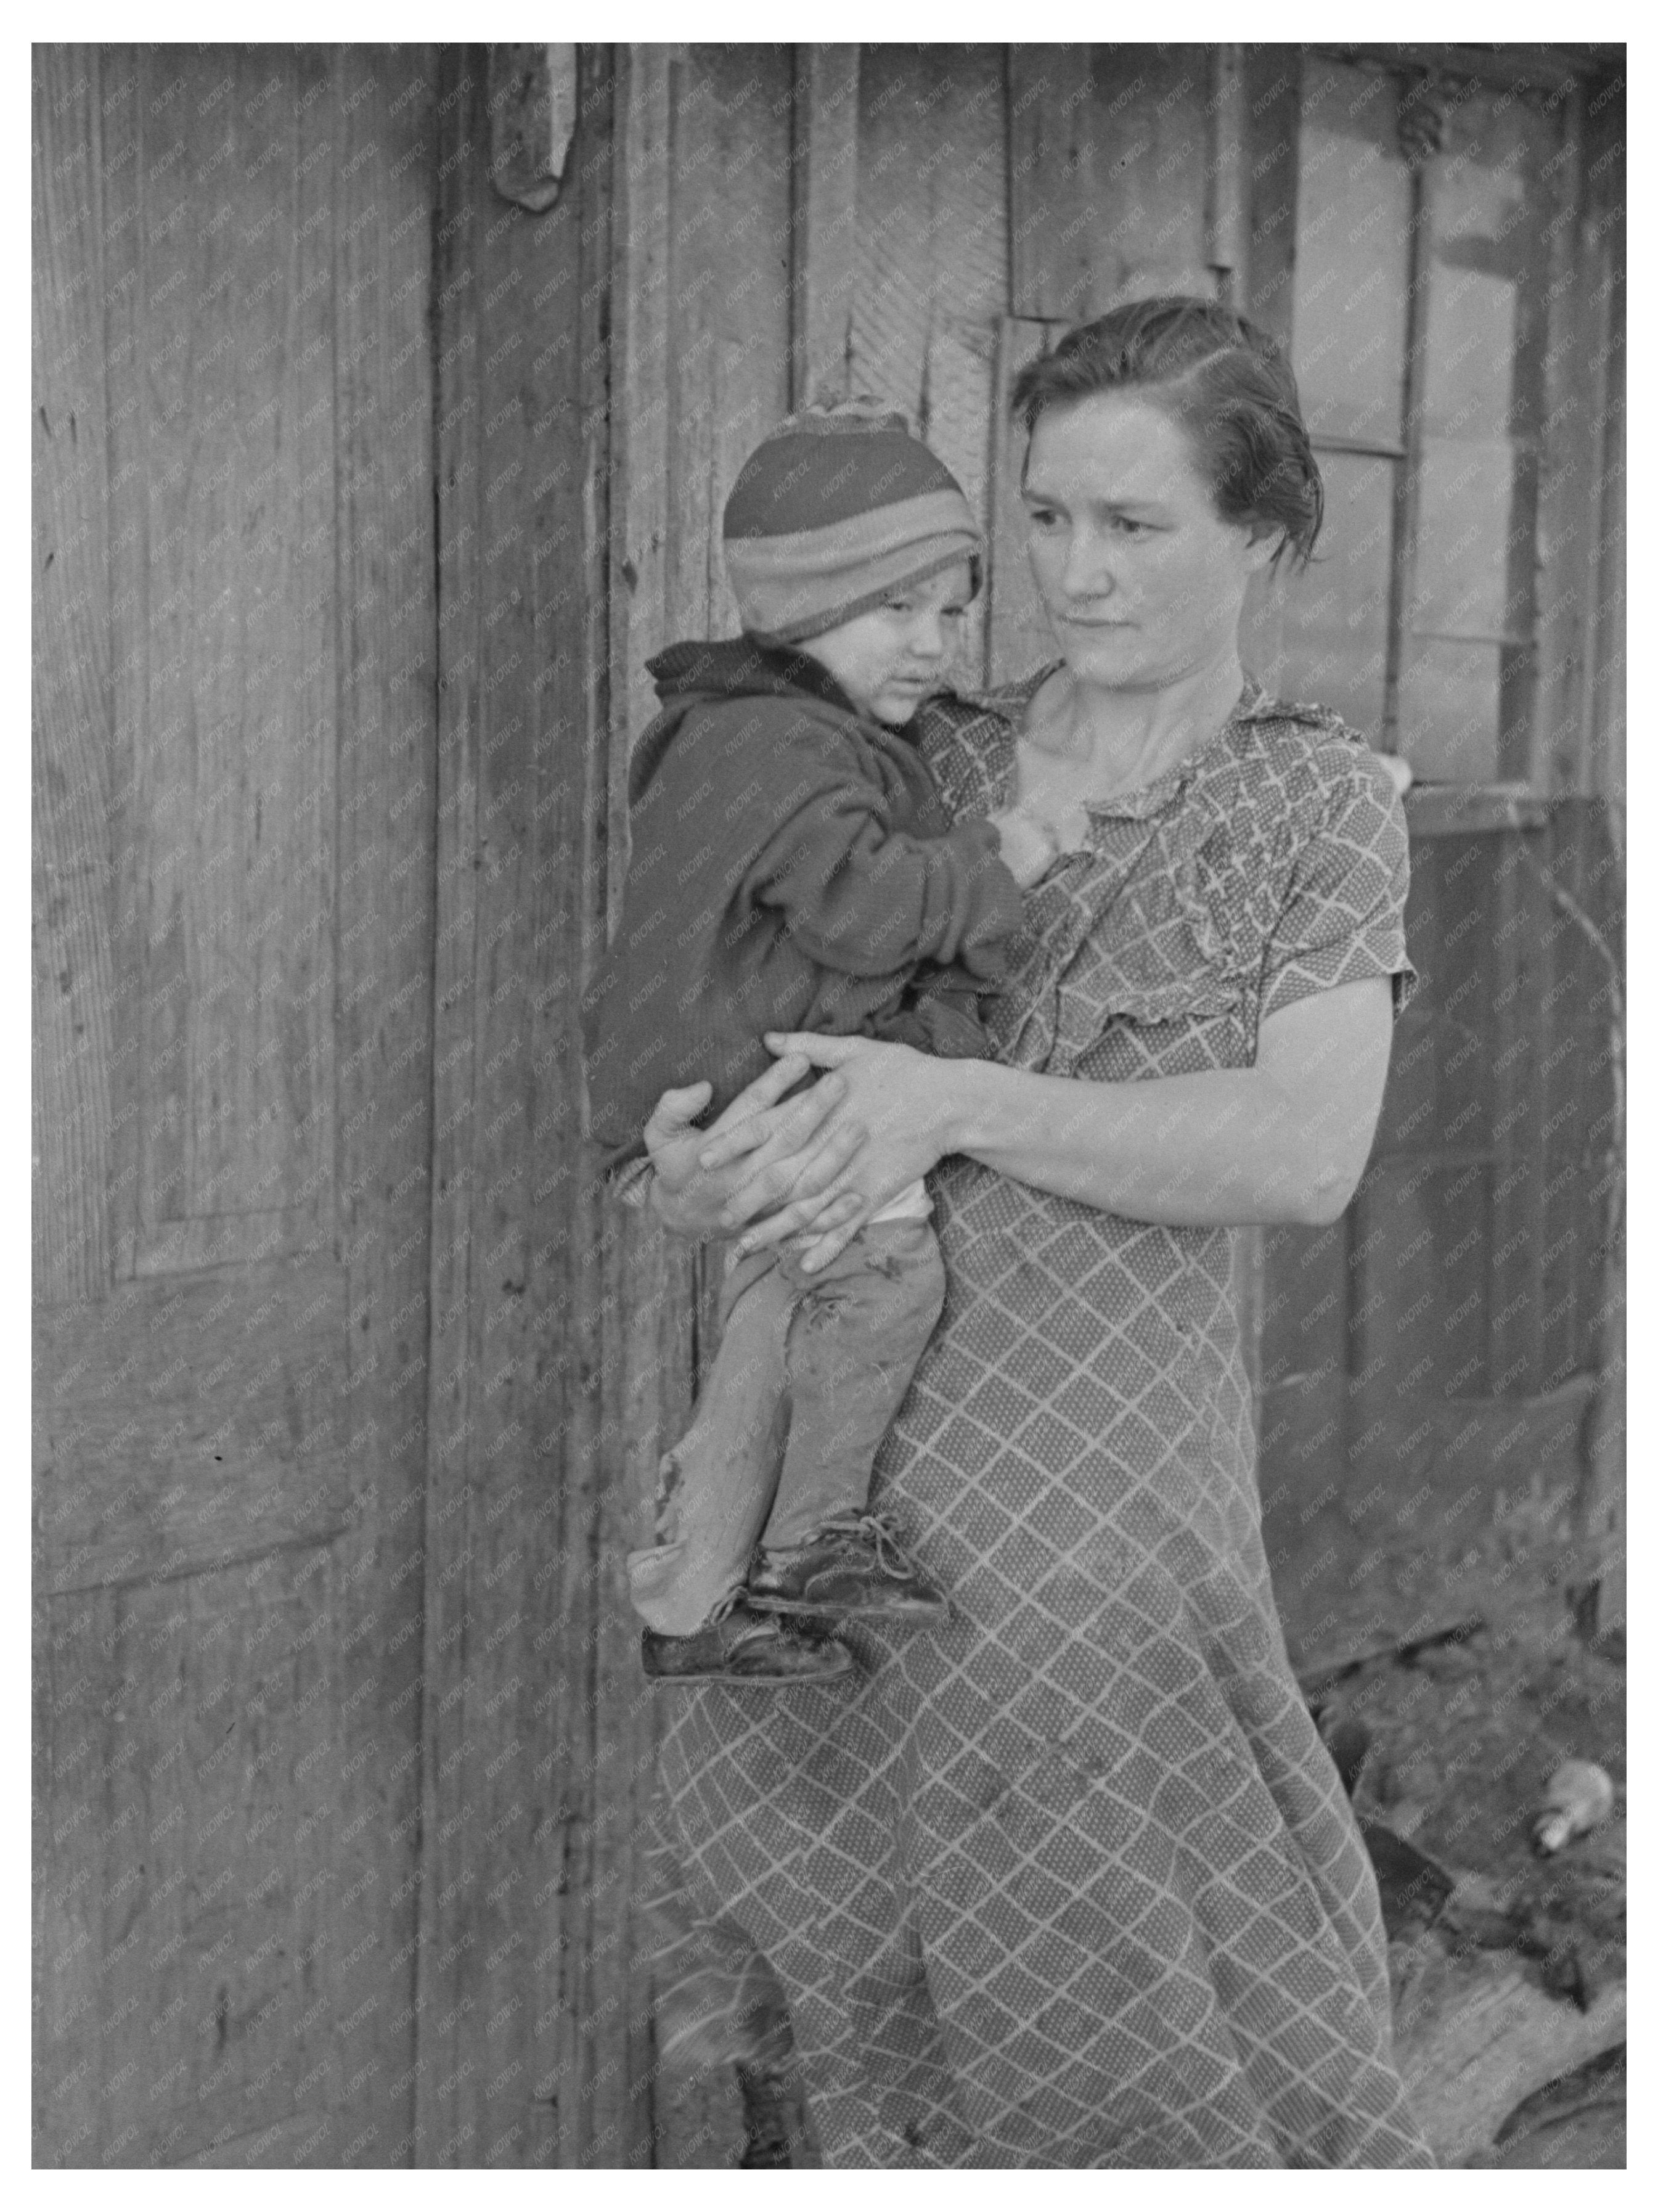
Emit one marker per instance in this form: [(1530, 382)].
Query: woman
[(1073, 1882)]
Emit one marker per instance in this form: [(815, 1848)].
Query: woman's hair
[(1227, 384)]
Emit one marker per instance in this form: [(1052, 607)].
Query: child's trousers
[(810, 1372)]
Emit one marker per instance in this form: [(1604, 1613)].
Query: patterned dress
[(1073, 1882)]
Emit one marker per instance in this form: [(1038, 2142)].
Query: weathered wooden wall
[(234, 767)]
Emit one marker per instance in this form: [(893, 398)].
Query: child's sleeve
[(866, 899)]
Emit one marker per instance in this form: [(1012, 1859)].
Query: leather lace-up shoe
[(742, 1646), (854, 1567)]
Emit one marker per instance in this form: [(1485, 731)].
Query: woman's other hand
[(709, 1182), (1027, 847), (898, 1101)]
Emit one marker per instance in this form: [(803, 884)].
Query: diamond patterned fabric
[(1072, 1882)]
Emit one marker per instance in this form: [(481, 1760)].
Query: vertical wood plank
[(647, 1302), (71, 1029), (1018, 637), (727, 380), (535, 2037), (612, 2012), (388, 824), (1270, 154), (825, 260), (1107, 157), (638, 596), (1603, 719), (647, 1295), (1523, 935), (444, 2135), (931, 260), (1543, 158), (1566, 504), (1271, 157), (128, 444), (1226, 208)]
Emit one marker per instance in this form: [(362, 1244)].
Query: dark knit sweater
[(793, 868)]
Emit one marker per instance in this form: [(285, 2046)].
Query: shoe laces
[(883, 1533)]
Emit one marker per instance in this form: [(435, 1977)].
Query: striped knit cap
[(834, 513)]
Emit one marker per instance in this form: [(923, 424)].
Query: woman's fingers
[(765, 1089), (822, 1245), (807, 1045), (776, 1131), (828, 1209), (794, 1174)]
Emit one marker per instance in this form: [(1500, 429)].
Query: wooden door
[(234, 754)]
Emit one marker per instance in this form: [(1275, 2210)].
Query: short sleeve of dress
[(1344, 917)]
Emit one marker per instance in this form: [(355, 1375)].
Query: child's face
[(886, 661)]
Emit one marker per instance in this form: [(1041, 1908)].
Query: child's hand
[(1067, 827), (1028, 847)]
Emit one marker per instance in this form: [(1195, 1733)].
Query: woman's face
[(1142, 580)]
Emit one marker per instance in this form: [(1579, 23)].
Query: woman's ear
[(1266, 542)]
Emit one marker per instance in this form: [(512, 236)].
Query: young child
[(793, 868)]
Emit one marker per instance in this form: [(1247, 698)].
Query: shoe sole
[(827, 1608), (756, 1682)]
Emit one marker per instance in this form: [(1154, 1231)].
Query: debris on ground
[(1485, 1760)]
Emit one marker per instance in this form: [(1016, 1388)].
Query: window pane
[(1461, 583), (1470, 358), (1473, 558), (1335, 618), (1352, 247), (1448, 698)]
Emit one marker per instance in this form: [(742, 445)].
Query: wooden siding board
[(647, 1299), (1576, 1090), (932, 272), (1270, 158), (1565, 488), (130, 585), (1525, 928), (1271, 147), (622, 1739), (447, 2132), (825, 270), (1107, 159), (71, 1031), (638, 594), (1604, 713), (1019, 638), (379, 1127), (527, 1888)]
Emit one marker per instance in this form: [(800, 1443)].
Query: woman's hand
[(1027, 846), (898, 1101), (711, 1182)]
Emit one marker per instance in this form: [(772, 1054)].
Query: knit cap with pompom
[(839, 508)]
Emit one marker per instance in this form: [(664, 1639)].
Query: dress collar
[(1010, 702)]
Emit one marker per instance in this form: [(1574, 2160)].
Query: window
[(1420, 331)]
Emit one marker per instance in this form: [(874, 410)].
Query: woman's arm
[(1284, 1140), (770, 1147)]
